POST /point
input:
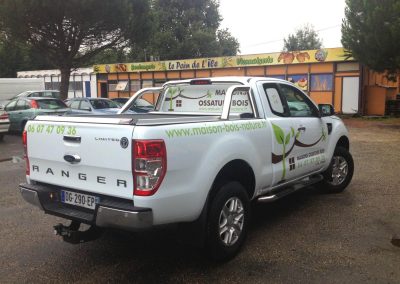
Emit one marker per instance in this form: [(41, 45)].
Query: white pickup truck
[(210, 148)]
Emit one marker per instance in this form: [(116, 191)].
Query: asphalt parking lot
[(308, 237)]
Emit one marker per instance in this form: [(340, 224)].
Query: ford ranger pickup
[(210, 148)]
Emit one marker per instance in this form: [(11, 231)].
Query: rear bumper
[(109, 213)]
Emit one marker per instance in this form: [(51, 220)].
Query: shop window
[(112, 84), (135, 86), (55, 86), (147, 83), (300, 81), (321, 82), (77, 86), (348, 66), (122, 86), (48, 86)]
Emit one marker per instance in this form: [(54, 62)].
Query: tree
[(228, 44), (16, 56), (69, 33), (371, 34), (187, 29), (304, 38)]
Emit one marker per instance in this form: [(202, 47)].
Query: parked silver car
[(92, 106), (20, 110), (39, 94)]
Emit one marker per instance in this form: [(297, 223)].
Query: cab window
[(10, 106), (299, 105)]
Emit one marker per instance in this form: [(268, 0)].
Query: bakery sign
[(279, 58)]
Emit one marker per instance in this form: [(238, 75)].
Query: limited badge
[(124, 142)]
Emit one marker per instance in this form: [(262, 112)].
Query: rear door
[(21, 114), (101, 151)]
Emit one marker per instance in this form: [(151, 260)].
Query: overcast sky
[(261, 25)]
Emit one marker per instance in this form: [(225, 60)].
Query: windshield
[(51, 104), (101, 104), (204, 99)]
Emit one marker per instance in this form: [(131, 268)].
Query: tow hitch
[(71, 233)]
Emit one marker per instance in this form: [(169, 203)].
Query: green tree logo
[(172, 92), (283, 140)]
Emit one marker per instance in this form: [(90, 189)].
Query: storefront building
[(326, 75)]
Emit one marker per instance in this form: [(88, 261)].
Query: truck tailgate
[(87, 156)]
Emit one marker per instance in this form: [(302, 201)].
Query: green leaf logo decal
[(287, 139), (279, 135)]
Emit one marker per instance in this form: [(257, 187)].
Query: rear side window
[(50, 104), (10, 106), (85, 106), (50, 95), (22, 105), (74, 104), (101, 104), (275, 101), (35, 95)]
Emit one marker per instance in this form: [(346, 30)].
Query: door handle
[(301, 128), (75, 139)]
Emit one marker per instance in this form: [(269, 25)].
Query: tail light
[(149, 166), (25, 143), (34, 104), (4, 116)]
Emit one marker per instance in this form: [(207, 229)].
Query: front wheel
[(227, 221), (340, 172)]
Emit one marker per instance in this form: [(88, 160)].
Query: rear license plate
[(79, 199)]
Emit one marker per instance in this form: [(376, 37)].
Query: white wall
[(53, 78), (10, 87)]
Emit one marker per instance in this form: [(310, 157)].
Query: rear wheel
[(340, 172), (227, 221)]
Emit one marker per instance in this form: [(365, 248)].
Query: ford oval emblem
[(73, 159), (124, 142)]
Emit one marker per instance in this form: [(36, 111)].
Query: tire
[(340, 172), (1, 137), (231, 206)]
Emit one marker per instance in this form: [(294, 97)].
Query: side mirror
[(326, 110)]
